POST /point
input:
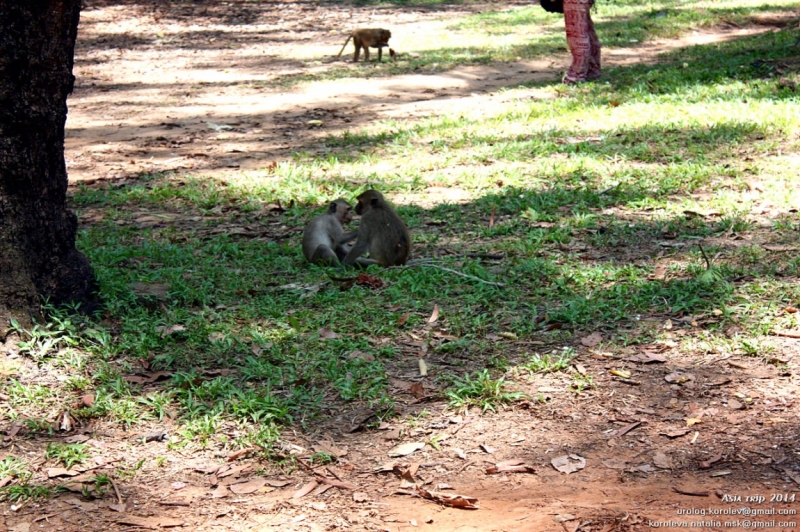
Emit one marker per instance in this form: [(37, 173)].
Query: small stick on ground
[(468, 276), (703, 251), (114, 485)]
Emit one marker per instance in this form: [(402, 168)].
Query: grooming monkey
[(324, 241), (366, 38), (381, 232)]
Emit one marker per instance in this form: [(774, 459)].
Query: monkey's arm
[(347, 237), (355, 252)]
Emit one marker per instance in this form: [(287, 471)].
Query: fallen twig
[(786, 333), (468, 276), (703, 251), (114, 485)]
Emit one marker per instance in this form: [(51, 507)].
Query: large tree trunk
[(38, 257)]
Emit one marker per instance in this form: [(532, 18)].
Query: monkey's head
[(373, 198), (385, 36), (342, 210)]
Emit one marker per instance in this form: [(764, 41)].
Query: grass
[(480, 390), (529, 33), (587, 194), (69, 454)]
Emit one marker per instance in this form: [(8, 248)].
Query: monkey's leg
[(365, 262), (324, 256), (357, 44), (380, 53), (355, 252), (341, 251)]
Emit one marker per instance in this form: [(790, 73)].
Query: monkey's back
[(324, 229), (395, 248)]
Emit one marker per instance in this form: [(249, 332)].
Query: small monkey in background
[(324, 241), (366, 38), (381, 232)]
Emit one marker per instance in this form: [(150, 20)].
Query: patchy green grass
[(68, 454), (617, 206), (480, 390), (528, 32)]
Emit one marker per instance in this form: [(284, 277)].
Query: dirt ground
[(145, 101), (682, 443)]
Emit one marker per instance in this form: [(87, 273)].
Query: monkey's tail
[(344, 45)]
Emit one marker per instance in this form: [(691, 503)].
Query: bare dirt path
[(196, 87)]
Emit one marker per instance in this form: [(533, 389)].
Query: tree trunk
[(38, 258)]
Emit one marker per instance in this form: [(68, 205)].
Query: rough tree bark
[(38, 257)]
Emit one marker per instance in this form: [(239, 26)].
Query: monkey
[(324, 238), (366, 38), (392, 55), (381, 232)]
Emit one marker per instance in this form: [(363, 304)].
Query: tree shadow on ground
[(564, 279)]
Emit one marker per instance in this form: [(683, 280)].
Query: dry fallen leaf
[(87, 400), (165, 331), (677, 433), (706, 464), (220, 492), (404, 449), (417, 390), (662, 461), (434, 314), (367, 357), (327, 334), (53, 472), (230, 470), (423, 367), (592, 340), (305, 490), (403, 319), (679, 378), (568, 463), (510, 466), (369, 281), (647, 357), (455, 501), (251, 486)]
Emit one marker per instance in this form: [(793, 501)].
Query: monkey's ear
[(374, 202), (332, 207)]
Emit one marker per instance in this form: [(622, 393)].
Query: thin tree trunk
[(38, 258)]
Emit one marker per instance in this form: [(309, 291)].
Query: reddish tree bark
[(38, 257)]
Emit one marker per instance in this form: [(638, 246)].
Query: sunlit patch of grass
[(480, 390), (68, 454), (549, 363), (525, 33)]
